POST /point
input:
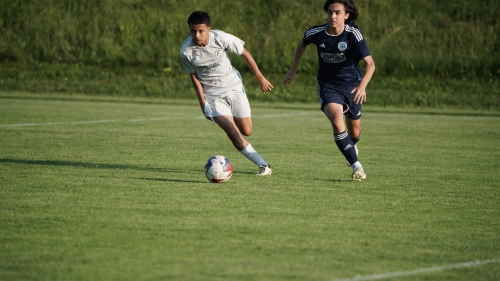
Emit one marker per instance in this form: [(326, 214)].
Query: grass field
[(113, 189)]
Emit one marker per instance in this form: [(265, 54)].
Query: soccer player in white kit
[(218, 84)]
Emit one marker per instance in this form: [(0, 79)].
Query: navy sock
[(346, 146)]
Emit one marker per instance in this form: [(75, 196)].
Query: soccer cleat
[(357, 151), (358, 173), (264, 171)]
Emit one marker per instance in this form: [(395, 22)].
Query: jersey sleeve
[(186, 64), (361, 50), (185, 61), (309, 35), (360, 46), (232, 43), (306, 40)]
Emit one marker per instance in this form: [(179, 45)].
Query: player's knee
[(247, 132), (338, 127), (356, 132)]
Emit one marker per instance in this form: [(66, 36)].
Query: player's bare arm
[(199, 90), (360, 91), (299, 51), (265, 86)]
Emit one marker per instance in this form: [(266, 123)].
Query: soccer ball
[(218, 169)]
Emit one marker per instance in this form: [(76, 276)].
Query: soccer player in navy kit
[(341, 86)]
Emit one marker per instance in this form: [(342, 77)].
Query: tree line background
[(422, 48)]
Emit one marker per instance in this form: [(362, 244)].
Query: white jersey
[(211, 63)]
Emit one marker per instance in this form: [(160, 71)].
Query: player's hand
[(265, 86), (290, 75), (360, 95)]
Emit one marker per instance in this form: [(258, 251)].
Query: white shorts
[(232, 103)]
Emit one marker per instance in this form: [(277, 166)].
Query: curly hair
[(350, 8)]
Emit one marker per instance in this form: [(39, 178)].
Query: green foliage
[(428, 53), (101, 188), (445, 38), (441, 38)]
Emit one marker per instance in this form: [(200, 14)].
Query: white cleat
[(357, 152), (264, 171), (358, 173)]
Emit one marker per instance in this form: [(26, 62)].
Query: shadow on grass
[(333, 180), (245, 172), (171, 180), (93, 165), (133, 168)]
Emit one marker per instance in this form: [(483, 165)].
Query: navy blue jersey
[(338, 55)]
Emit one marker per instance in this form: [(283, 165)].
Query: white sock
[(253, 156)]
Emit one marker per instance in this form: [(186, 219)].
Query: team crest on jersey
[(219, 53), (342, 46)]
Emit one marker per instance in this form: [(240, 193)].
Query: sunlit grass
[(110, 188)]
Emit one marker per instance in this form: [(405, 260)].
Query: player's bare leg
[(244, 125), (234, 132), (334, 113), (354, 130), (353, 127)]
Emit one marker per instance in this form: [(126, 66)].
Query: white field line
[(390, 275), (140, 120), (87, 122)]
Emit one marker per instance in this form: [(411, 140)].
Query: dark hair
[(199, 17), (349, 6)]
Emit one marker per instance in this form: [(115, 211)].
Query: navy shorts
[(328, 93)]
